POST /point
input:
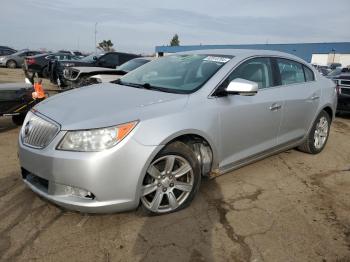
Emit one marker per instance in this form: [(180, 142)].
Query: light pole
[(95, 38)]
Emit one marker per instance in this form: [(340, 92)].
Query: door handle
[(314, 97), (275, 107)]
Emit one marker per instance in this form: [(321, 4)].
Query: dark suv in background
[(343, 89)]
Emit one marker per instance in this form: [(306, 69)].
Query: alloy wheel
[(321, 133), (167, 184)]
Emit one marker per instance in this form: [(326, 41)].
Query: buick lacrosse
[(149, 137)]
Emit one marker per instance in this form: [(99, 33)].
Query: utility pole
[(95, 38)]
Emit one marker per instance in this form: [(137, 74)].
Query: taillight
[(30, 61)]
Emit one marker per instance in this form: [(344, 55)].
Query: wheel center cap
[(165, 182)]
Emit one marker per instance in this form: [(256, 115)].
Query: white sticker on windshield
[(217, 59)]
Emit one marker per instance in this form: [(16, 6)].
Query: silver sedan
[(152, 135)]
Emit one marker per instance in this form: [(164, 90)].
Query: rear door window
[(291, 72)]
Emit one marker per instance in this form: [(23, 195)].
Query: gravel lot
[(288, 207)]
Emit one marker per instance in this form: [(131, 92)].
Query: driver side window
[(258, 70)]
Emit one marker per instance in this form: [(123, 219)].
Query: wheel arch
[(329, 111), (202, 145)]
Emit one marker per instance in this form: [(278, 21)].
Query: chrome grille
[(37, 132), (345, 82)]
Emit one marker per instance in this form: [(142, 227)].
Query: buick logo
[(27, 128)]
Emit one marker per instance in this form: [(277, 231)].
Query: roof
[(242, 53), (302, 50)]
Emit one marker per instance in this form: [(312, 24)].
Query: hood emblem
[(27, 128)]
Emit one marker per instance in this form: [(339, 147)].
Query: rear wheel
[(172, 180), (11, 64), (318, 135)]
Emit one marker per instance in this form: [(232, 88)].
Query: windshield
[(90, 58), (132, 64), (176, 73)]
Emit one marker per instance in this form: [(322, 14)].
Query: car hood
[(107, 105)]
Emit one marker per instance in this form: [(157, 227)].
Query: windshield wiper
[(147, 86)]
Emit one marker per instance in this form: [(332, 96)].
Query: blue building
[(302, 50)]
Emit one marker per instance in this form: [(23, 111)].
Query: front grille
[(345, 91), (37, 132), (70, 73), (345, 82)]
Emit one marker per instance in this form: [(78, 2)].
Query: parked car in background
[(343, 88), (152, 135), (333, 66), (107, 60), (324, 70), (82, 76), (16, 100), (16, 60), (334, 73), (40, 64), (5, 50)]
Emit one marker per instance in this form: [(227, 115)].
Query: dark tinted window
[(6, 52), (111, 59), (291, 72), (257, 70), (309, 75)]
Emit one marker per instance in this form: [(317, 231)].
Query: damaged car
[(150, 137), (83, 76)]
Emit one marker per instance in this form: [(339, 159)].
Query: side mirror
[(242, 87), (94, 58)]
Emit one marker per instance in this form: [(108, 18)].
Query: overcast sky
[(138, 26)]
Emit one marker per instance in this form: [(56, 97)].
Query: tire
[(45, 72), (11, 64), (310, 145), (173, 178), (18, 119)]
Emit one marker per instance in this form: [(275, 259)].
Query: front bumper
[(113, 176)]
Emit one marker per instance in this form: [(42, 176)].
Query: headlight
[(94, 140)]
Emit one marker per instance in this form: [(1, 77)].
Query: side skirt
[(254, 158)]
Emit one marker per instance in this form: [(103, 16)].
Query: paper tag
[(217, 59)]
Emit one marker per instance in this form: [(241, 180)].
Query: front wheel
[(318, 135), (172, 180)]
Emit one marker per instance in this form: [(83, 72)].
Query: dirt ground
[(288, 207)]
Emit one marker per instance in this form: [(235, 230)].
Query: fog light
[(75, 191)]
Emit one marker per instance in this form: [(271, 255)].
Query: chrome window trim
[(211, 95)]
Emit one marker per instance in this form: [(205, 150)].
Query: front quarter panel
[(198, 118)]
